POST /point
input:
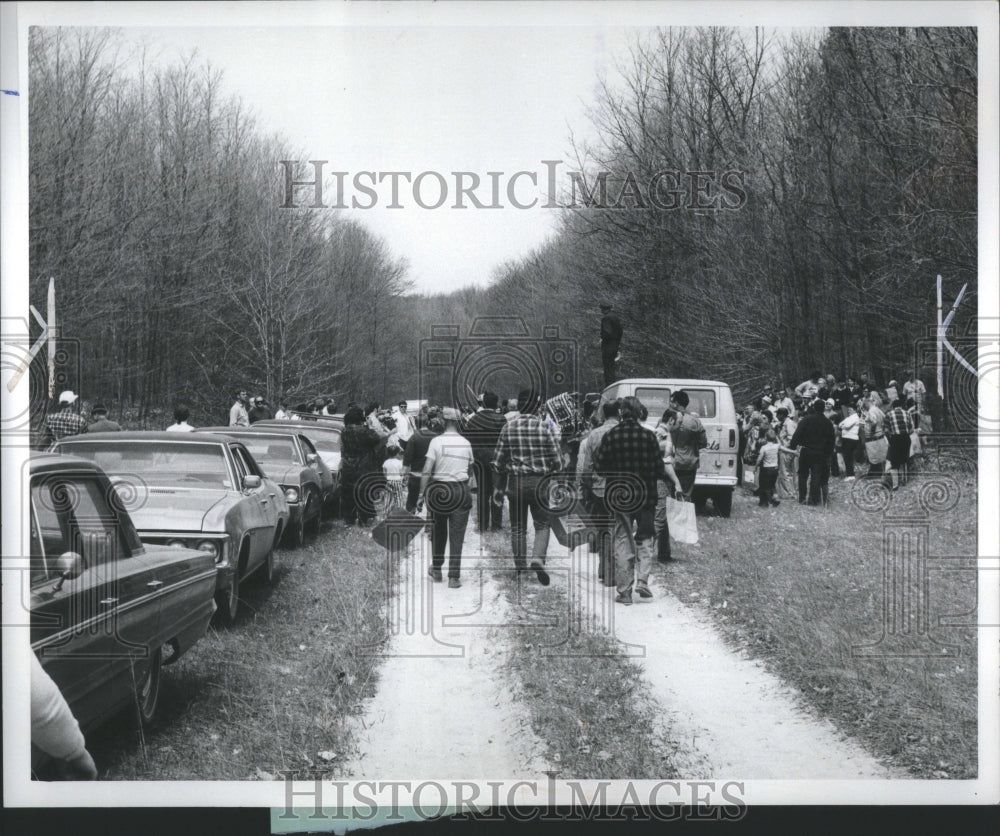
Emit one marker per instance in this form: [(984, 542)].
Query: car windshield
[(325, 442), (657, 401), (157, 463), (271, 449)]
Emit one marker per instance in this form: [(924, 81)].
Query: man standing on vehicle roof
[(689, 438), (611, 338)]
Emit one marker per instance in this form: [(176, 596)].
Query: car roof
[(143, 435), (294, 426), (661, 381), (229, 432)]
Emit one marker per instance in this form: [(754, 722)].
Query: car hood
[(180, 509)]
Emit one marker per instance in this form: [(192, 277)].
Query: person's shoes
[(543, 576), (776, 503), (621, 598), (434, 573), (454, 583), (643, 590)]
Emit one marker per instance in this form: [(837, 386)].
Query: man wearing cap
[(101, 424), (445, 484), (527, 452), (611, 338), (67, 421), (238, 416)]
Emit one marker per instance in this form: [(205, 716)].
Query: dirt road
[(443, 710)]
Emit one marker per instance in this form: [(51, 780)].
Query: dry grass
[(801, 587), (275, 690)]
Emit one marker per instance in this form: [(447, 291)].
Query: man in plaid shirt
[(629, 458), (527, 453), (67, 421), (898, 426)]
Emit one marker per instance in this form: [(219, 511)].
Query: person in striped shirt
[(527, 453)]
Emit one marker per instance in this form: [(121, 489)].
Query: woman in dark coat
[(358, 469)]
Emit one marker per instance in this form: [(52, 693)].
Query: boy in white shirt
[(767, 461)]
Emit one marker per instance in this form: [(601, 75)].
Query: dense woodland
[(154, 201)]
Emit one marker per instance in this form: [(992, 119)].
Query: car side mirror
[(251, 482), (69, 566)]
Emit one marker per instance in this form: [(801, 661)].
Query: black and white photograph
[(429, 409)]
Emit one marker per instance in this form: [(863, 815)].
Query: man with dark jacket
[(611, 338), (101, 422), (483, 430), (816, 437), (415, 454), (629, 458)]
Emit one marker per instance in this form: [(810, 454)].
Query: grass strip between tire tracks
[(586, 701)]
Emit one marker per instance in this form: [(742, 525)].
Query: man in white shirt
[(180, 424), (238, 416), (445, 484)]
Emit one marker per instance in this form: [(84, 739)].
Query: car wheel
[(296, 535), (229, 600), (267, 570), (147, 692), (723, 502), (317, 506)]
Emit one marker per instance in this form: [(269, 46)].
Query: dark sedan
[(325, 436), (106, 611)]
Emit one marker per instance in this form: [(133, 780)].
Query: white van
[(713, 402)]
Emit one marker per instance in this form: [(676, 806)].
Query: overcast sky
[(415, 99)]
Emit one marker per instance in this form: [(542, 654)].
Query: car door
[(323, 472), (260, 505), (93, 633)]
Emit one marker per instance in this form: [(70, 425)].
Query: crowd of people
[(794, 440)]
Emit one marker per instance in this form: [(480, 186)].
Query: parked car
[(291, 460), (107, 611), (713, 402), (325, 437), (196, 490)]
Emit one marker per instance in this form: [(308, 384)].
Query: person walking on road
[(611, 338), (430, 425), (527, 453), (238, 416), (668, 488), (483, 431), (689, 438), (357, 468), (592, 489), (445, 485), (898, 427), (630, 460)]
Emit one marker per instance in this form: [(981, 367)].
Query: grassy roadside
[(275, 691), (801, 587), (591, 706)]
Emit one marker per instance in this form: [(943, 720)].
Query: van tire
[(723, 501)]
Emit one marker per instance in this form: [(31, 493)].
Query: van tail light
[(732, 438)]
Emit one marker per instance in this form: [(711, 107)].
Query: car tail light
[(211, 547), (732, 438), (176, 544), (292, 494)]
